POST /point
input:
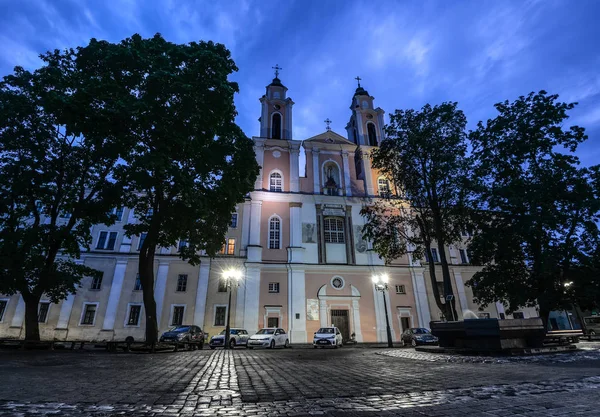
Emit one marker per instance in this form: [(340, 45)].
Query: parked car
[(269, 337), (183, 334), (592, 326), (328, 336), (418, 336), (237, 337)]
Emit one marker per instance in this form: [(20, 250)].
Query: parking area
[(348, 382)]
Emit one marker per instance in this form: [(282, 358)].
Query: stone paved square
[(298, 382)]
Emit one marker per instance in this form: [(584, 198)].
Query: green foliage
[(537, 210)]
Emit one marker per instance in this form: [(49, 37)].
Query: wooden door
[(339, 318)]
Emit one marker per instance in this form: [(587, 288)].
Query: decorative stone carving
[(312, 309), (359, 242), (309, 233)]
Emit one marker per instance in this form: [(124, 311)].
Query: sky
[(408, 53)]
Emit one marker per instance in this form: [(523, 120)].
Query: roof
[(329, 136)]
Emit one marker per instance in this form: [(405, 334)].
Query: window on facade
[(220, 312), (119, 213), (400, 289), (372, 134), (234, 219), (273, 322), (43, 312), (276, 126), (333, 229), (463, 256), (138, 283), (518, 315), (182, 282), (96, 282), (3, 304), (434, 256), (273, 287), (357, 163), (502, 316), (384, 187), (89, 314), (276, 182), (134, 315), (274, 233), (182, 244), (483, 315), (177, 316), (228, 247), (107, 240), (65, 215), (222, 285), (141, 241)]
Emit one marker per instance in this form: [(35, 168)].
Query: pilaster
[(160, 287), (368, 174), (201, 293), (294, 167), (297, 306), (316, 170), (254, 246), (346, 167), (460, 289), (66, 307), (259, 150), (19, 316), (420, 292), (115, 294), (251, 302)]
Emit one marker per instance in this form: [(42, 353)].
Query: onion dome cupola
[(276, 112), (366, 122)]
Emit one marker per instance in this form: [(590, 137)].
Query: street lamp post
[(231, 275), (381, 284)]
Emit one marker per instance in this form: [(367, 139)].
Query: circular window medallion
[(277, 106), (369, 116), (337, 283), (276, 154)]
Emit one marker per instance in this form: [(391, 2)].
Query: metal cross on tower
[(328, 122), (358, 79), (277, 68)]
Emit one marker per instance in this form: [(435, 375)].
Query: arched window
[(333, 228), (276, 126), (372, 134), (274, 233), (276, 182), (383, 186)]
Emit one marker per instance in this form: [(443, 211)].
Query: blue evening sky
[(408, 53)]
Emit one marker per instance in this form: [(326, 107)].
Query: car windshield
[(420, 331), (325, 330), (232, 331), (179, 329), (266, 331)]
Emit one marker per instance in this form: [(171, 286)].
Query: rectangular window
[(177, 316), (138, 283), (119, 213), (273, 287), (384, 187), (434, 255), (483, 315), (463, 256), (274, 233), (89, 314), (134, 315), (276, 182), (3, 304), (220, 313), (141, 241), (231, 246), (64, 215), (43, 312), (273, 322), (334, 230), (222, 285), (96, 282), (234, 218), (107, 240), (182, 282), (182, 244), (518, 315), (400, 289)]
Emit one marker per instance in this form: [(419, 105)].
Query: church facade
[(296, 239)]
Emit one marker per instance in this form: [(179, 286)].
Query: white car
[(269, 337), (328, 336)]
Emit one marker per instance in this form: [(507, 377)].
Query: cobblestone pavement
[(294, 382)]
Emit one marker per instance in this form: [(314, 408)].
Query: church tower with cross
[(365, 127), (276, 112)]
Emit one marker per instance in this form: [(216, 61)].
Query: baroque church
[(296, 239)]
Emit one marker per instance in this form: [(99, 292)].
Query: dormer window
[(276, 182)]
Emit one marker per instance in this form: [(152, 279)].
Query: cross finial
[(277, 68), (328, 122), (358, 79)]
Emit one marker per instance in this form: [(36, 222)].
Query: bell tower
[(276, 110), (366, 122)]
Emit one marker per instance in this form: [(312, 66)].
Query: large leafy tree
[(56, 162), (189, 163), (538, 209), (423, 155)]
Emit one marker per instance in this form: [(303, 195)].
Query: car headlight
[(330, 337)]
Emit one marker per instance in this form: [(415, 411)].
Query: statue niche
[(331, 175)]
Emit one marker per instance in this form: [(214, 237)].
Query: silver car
[(237, 337)]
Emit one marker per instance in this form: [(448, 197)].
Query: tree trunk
[(146, 271), (450, 304), (432, 276), (32, 326)]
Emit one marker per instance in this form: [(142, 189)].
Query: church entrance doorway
[(340, 319)]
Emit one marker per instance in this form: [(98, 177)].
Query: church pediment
[(330, 137)]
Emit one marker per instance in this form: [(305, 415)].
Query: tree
[(56, 164), (189, 163), (423, 155), (537, 209)]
